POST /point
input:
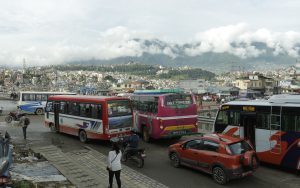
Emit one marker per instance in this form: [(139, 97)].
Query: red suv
[(222, 156)]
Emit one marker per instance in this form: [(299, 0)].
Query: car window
[(239, 147), (210, 146), (193, 144)]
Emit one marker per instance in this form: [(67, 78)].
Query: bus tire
[(83, 136), (39, 111), (146, 135)]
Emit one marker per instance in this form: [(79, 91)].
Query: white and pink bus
[(89, 117), (164, 113)]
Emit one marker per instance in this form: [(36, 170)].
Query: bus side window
[(96, 111), (155, 106), (88, 110), (31, 97), (288, 122), (66, 108), (263, 121), (99, 111), (62, 107), (289, 118), (44, 97), (25, 97), (75, 109), (135, 105), (83, 110), (38, 97)]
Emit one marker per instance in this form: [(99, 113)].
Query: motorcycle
[(13, 116), (136, 155)]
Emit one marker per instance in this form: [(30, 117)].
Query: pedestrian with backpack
[(24, 122)]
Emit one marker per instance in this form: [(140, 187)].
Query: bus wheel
[(39, 111), (146, 136), (82, 136)]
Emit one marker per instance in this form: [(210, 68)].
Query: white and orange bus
[(89, 117), (272, 126)]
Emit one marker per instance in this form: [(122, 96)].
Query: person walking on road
[(114, 164), (24, 122)]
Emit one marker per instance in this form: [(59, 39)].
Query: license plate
[(178, 132)]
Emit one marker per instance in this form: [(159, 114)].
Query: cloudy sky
[(54, 31)]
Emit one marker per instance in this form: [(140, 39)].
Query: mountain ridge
[(175, 55)]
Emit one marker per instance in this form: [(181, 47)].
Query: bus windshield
[(119, 108), (178, 100)]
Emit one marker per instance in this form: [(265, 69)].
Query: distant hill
[(144, 70), (174, 55)]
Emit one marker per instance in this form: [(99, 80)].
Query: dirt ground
[(22, 155)]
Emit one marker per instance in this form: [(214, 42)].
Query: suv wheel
[(175, 161), (219, 175)]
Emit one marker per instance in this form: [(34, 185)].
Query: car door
[(189, 154), (207, 154)]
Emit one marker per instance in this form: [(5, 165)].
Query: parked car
[(222, 156)]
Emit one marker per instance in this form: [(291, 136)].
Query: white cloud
[(55, 31), (238, 40)]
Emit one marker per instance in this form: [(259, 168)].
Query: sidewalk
[(87, 168)]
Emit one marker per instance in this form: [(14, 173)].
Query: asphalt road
[(157, 164)]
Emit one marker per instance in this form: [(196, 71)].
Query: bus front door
[(56, 116), (248, 122)]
